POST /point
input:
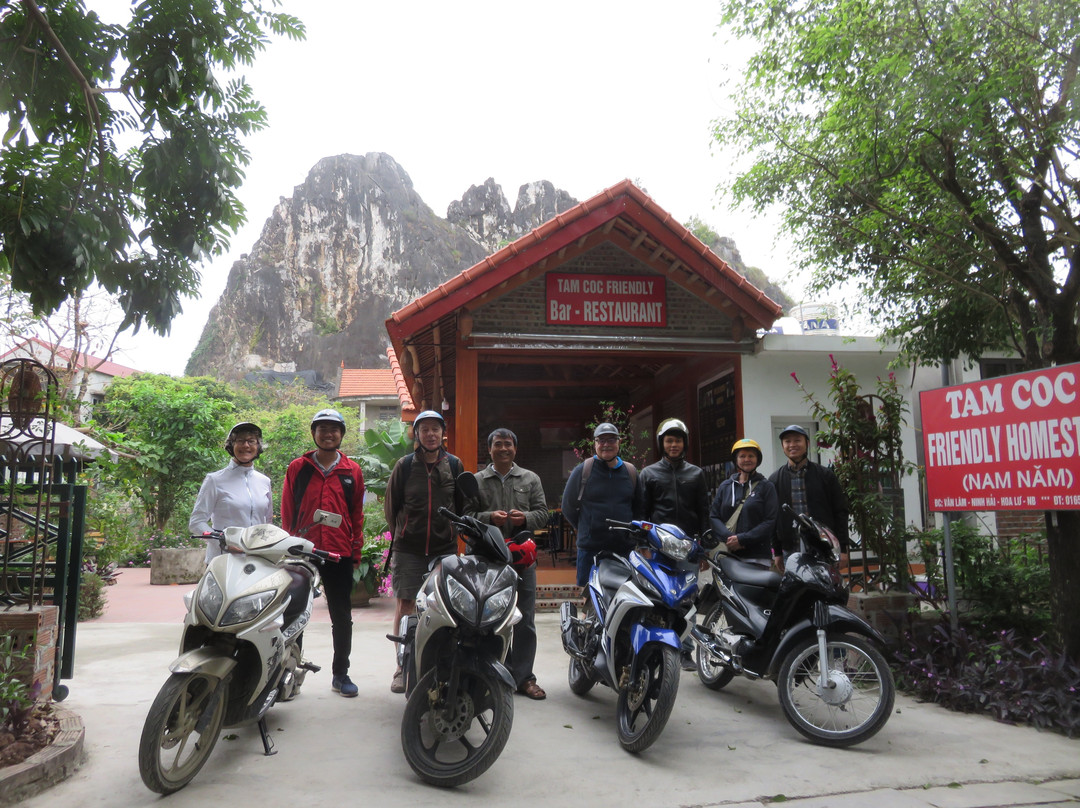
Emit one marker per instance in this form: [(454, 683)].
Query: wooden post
[(465, 403)]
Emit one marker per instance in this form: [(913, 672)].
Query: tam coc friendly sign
[(606, 300), (1010, 443)]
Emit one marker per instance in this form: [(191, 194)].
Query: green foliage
[(610, 413), (79, 204), (925, 152), (171, 431), (16, 696), (369, 571), (866, 432), (92, 598), (384, 444)]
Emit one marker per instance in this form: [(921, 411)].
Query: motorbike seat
[(298, 590), (612, 572), (743, 572)]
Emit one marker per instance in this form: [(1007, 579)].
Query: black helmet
[(243, 426), (796, 429), (328, 417)]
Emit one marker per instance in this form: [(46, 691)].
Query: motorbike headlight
[(248, 607), (496, 606), (462, 600), (674, 547), (210, 598)]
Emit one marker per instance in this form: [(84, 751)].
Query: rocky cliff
[(353, 244)]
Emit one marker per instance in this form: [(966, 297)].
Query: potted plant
[(368, 576)]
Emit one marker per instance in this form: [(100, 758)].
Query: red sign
[(606, 300), (1010, 443)]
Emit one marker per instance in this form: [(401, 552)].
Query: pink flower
[(796, 378), (833, 360)]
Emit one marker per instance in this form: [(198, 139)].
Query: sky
[(584, 94)]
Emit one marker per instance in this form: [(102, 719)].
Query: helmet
[(243, 426), (523, 553), (606, 429), (797, 429), (329, 417), (429, 415), (746, 443), (671, 425)]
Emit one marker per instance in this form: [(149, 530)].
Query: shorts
[(408, 571)]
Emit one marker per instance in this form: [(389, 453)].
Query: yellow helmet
[(746, 443)]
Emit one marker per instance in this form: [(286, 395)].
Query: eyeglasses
[(245, 441), (606, 441)]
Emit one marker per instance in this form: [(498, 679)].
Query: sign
[(1010, 443), (606, 300)]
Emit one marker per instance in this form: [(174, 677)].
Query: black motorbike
[(452, 652), (766, 625)]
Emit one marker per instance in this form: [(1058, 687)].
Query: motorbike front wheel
[(578, 677), (181, 730), (711, 671), (645, 703), (448, 744), (856, 704)]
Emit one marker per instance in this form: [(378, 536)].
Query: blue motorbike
[(637, 611)]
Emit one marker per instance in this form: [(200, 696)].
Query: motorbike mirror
[(326, 518), (467, 484)]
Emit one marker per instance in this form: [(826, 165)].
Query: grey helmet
[(796, 429), (672, 425), (429, 415), (243, 426), (328, 417), (606, 429)]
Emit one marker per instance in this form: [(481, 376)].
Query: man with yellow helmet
[(745, 509)]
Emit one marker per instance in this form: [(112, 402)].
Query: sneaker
[(344, 685), (397, 684), (687, 661)]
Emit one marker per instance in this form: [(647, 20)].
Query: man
[(600, 488), (808, 488), (512, 499), (237, 495), (674, 490), (325, 478), (419, 485), (745, 509)]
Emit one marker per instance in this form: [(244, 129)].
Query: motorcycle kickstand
[(264, 733)]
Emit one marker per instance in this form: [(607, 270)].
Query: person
[(601, 487), (419, 485), (325, 478), (237, 495), (675, 491), (512, 499), (807, 487), (744, 511)]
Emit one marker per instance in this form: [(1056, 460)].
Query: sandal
[(532, 690)]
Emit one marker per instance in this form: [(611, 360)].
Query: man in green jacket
[(512, 499)]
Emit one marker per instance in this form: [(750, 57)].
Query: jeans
[(584, 565), (523, 652), (337, 579)]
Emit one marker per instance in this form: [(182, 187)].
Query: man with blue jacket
[(602, 487)]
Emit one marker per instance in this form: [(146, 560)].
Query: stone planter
[(177, 565), (360, 598), (888, 612)]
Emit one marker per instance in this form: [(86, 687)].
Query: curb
[(49, 766)]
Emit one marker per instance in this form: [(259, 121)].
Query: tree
[(927, 152), (122, 150)]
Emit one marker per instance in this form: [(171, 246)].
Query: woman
[(745, 509)]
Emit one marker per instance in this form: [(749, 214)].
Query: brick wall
[(1011, 524), (37, 627)]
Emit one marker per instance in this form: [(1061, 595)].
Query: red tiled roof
[(367, 382), (82, 360), (403, 394)]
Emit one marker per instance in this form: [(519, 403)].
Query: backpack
[(631, 469), (300, 484), (456, 468)]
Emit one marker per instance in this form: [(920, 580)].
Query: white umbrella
[(67, 443)]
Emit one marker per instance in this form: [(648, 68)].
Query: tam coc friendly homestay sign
[(606, 300), (1010, 443)]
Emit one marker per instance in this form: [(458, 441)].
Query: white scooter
[(240, 652)]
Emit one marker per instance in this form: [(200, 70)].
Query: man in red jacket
[(325, 478)]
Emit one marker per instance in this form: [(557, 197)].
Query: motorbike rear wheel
[(181, 730), (713, 673), (450, 744), (645, 703), (859, 701)]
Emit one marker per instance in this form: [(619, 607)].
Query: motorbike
[(762, 624), (459, 694), (637, 611), (240, 652)]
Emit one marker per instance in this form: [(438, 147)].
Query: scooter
[(459, 694), (763, 624), (240, 650), (637, 611)]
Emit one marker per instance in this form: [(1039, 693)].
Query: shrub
[(1013, 679), (16, 696), (92, 598)]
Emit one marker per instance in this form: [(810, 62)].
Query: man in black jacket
[(808, 488), (673, 489)]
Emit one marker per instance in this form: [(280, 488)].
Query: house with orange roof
[(372, 391)]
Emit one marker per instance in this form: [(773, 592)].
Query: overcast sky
[(583, 94)]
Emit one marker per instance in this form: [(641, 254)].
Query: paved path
[(732, 748)]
